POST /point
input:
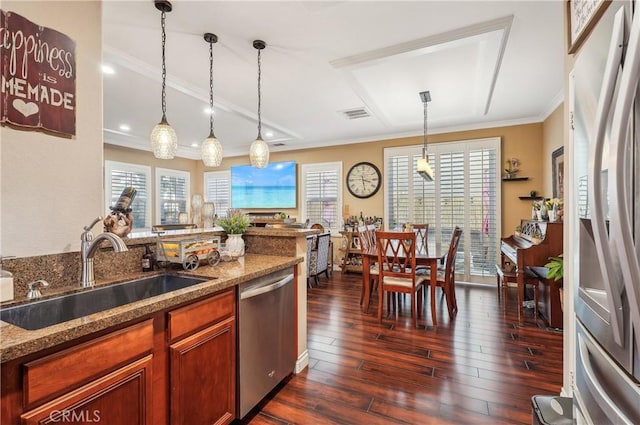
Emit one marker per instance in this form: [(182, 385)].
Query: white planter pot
[(235, 245)]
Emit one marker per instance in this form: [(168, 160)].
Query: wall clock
[(364, 180)]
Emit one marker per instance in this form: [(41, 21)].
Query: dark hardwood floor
[(479, 368)]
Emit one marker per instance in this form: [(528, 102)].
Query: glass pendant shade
[(259, 153), (211, 151), (164, 142)]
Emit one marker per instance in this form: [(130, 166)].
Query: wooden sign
[(38, 66)]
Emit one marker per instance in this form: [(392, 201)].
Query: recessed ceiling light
[(194, 145), (108, 69), (124, 127), (269, 134)]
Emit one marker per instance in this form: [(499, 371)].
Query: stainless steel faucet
[(89, 248)]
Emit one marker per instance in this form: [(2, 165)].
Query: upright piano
[(530, 248)]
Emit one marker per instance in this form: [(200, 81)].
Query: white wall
[(51, 187)]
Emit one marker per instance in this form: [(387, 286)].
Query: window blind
[(119, 175), (217, 189), (322, 195)]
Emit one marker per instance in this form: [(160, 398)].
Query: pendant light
[(211, 147), (164, 141), (424, 168), (259, 151)]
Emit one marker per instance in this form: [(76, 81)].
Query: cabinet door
[(121, 397), (203, 376)]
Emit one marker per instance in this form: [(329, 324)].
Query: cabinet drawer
[(188, 319), (70, 368)]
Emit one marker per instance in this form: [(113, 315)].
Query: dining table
[(430, 260)]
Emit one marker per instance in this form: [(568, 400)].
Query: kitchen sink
[(40, 314)]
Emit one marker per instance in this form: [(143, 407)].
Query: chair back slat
[(397, 254)]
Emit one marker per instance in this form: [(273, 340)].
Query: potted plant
[(555, 271), (512, 167), (556, 267), (234, 224)]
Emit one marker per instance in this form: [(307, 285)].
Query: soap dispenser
[(6, 285)]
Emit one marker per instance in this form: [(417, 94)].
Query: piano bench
[(503, 277)]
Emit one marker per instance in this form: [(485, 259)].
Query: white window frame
[(226, 174), (318, 167), (172, 173), (445, 147), (109, 167)]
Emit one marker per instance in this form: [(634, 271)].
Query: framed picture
[(557, 165), (582, 16)]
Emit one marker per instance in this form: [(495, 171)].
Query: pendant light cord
[(164, 67), (211, 89), (424, 149), (259, 95)]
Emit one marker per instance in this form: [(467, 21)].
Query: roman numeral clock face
[(364, 180)]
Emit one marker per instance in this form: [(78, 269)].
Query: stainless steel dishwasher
[(266, 336)]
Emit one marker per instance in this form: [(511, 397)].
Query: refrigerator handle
[(598, 391), (610, 269), (620, 186)]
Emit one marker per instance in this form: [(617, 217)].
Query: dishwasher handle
[(254, 292)]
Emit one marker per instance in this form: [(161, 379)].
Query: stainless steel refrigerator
[(606, 173)]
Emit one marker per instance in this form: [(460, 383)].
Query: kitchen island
[(150, 350)]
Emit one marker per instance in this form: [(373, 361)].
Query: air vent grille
[(352, 114)]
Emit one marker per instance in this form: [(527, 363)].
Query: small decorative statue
[(118, 223), (120, 220)]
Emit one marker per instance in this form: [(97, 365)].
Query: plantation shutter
[(321, 193), (119, 175), (217, 189), (173, 194)]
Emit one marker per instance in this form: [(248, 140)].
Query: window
[(466, 193), (322, 194), (217, 189), (172, 193), (117, 176)]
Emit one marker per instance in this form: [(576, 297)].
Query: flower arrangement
[(236, 222), (553, 202), (512, 167)]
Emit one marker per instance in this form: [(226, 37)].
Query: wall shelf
[(531, 198), (515, 179)]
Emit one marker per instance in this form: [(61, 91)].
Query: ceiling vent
[(352, 114)]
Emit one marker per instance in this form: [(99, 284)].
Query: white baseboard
[(302, 362)]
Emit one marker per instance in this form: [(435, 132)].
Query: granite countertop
[(16, 342)]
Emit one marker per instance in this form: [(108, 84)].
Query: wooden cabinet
[(108, 379), (121, 397), (350, 252), (203, 364)]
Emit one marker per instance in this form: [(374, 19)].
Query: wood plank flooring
[(479, 368)]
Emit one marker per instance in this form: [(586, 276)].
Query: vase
[(235, 245)]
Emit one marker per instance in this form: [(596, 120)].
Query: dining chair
[(447, 276), (422, 237), (318, 257), (367, 238), (397, 270)]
